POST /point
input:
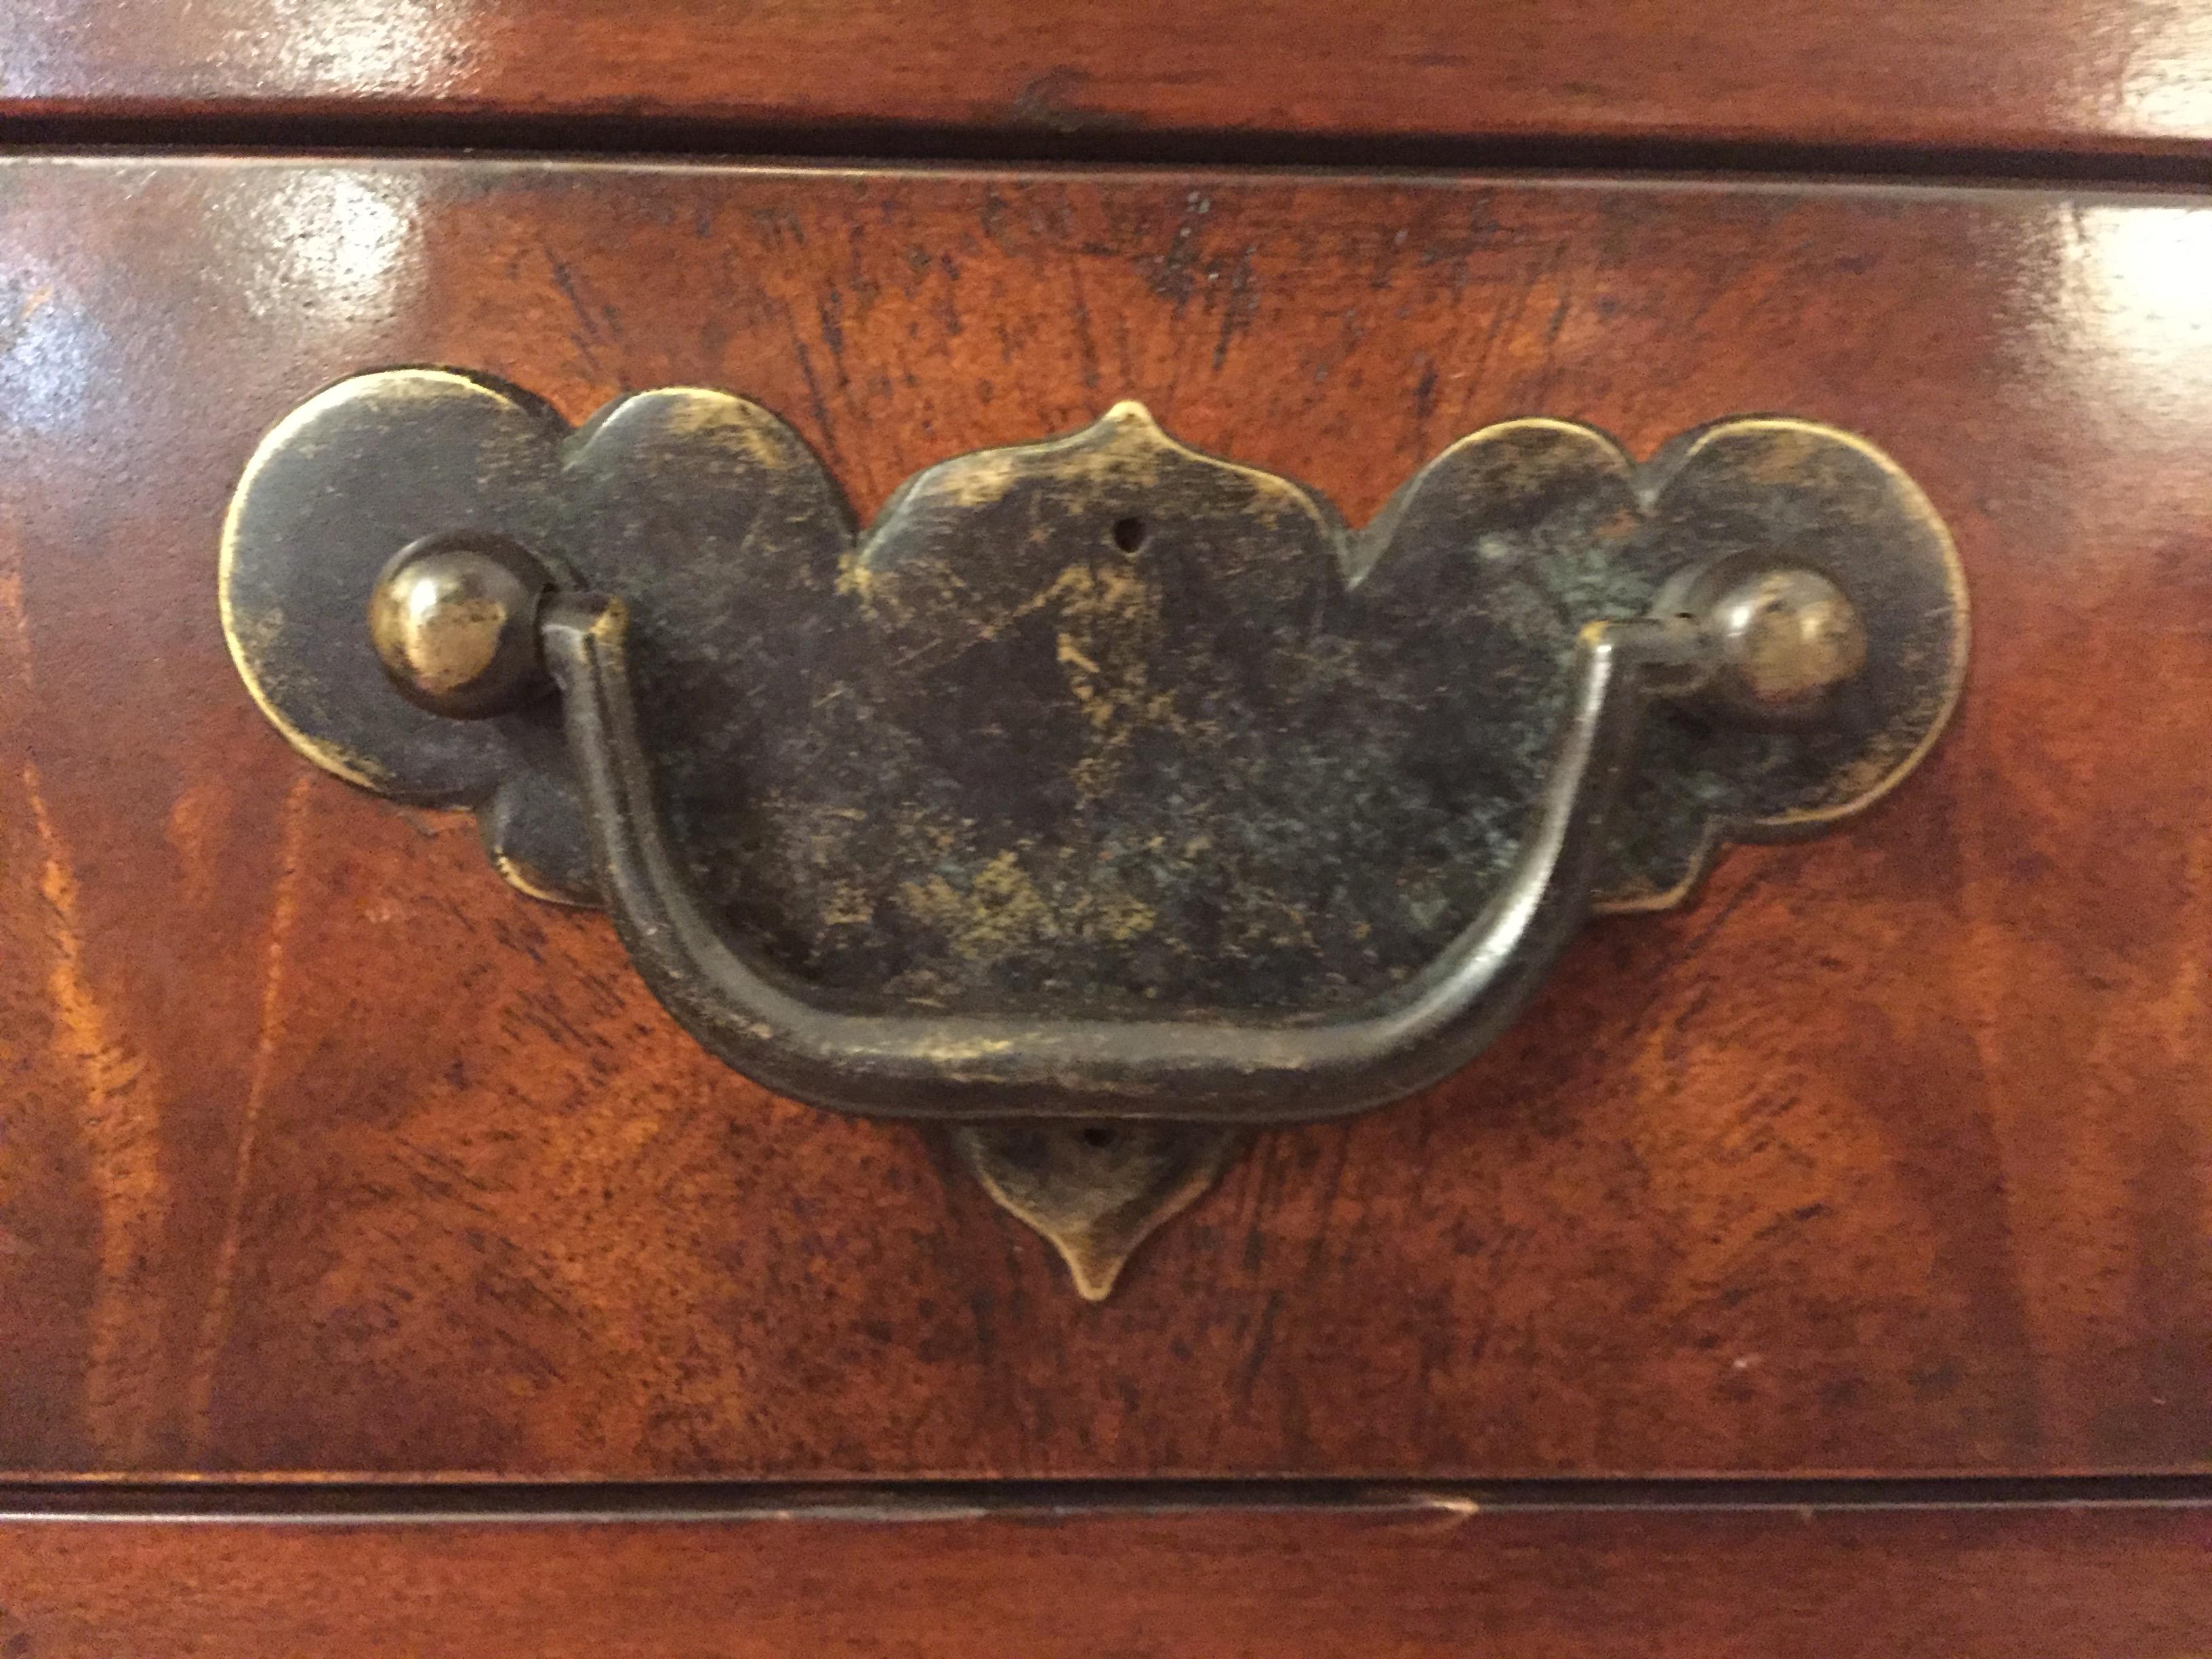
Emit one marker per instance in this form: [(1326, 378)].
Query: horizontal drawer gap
[(348, 130), (308, 1499)]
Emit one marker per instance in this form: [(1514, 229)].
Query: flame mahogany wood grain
[(325, 1152), (1984, 75), (2019, 1583)]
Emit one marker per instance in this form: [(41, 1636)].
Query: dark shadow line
[(306, 1499), (311, 129)]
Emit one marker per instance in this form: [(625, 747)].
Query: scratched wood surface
[(1606, 1584), (1984, 75), (323, 1151)]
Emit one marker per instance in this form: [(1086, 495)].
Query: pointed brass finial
[(1096, 1191)]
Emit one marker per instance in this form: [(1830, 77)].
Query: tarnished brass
[(1099, 1190), (1786, 640), (454, 621), (1103, 799)]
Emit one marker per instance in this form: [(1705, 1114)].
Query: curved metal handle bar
[(826, 1050)]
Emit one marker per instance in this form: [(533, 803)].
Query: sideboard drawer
[(1997, 83), (864, 1576), (327, 1152)]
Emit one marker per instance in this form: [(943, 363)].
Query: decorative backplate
[(1097, 727)]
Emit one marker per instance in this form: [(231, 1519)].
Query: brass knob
[(454, 620), (1783, 639)]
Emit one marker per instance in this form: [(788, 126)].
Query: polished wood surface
[(1982, 74), (1653, 1584), (325, 1150)]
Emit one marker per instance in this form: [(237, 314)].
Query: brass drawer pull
[(1101, 784)]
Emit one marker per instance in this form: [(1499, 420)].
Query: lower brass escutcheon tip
[(1096, 1191)]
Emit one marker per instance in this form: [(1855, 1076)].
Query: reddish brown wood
[(325, 1151), (1982, 74), (1680, 1584)]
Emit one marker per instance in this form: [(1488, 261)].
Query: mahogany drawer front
[(1655, 1583), (888, 76), (326, 1152)]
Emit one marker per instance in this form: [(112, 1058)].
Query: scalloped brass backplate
[(1099, 728)]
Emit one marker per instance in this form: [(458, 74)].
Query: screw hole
[(1128, 534), (1100, 1136)]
